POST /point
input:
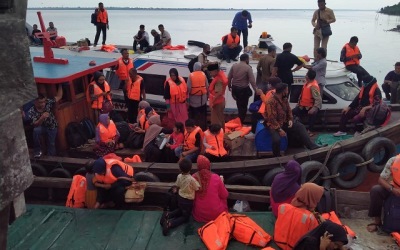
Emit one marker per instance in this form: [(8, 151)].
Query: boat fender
[(195, 43), (60, 172), (270, 175), (38, 170), (146, 176), (243, 179), (82, 171), (310, 168), (374, 149), (345, 164)]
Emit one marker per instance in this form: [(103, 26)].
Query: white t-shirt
[(164, 37), (146, 36)]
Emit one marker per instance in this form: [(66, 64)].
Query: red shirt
[(177, 140)]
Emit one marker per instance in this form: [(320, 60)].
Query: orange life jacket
[(190, 138), (245, 230), (351, 52), (133, 88), (77, 192), (396, 237), (108, 177), (102, 16), (292, 224), (98, 103), (219, 78), (216, 233), (268, 95), (135, 158), (233, 124), (371, 93), (123, 69), (216, 141), (335, 219), (231, 40), (395, 169), (306, 97), (107, 134), (178, 92), (198, 80)]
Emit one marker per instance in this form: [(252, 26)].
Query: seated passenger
[(141, 38), (298, 218), (361, 104), (192, 143), (107, 136), (214, 144), (141, 109), (231, 45), (279, 120), (44, 122), (187, 186), (285, 185), (111, 178), (327, 236), (388, 183), (211, 199), (51, 28), (176, 138), (143, 123), (157, 44), (35, 40), (310, 101), (151, 151)]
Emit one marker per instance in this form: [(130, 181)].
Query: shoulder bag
[(326, 29)]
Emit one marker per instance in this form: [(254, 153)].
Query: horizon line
[(164, 8)]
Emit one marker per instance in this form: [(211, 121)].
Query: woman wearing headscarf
[(217, 94), (98, 93), (211, 199), (197, 88), (141, 109), (107, 136), (176, 96), (285, 185), (327, 236), (151, 151)]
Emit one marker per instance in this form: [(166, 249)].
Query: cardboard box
[(234, 140)]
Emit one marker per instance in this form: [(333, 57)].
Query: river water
[(380, 49)]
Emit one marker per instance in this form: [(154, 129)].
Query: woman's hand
[(325, 241)]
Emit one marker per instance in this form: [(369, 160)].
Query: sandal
[(165, 227), (375, 225)]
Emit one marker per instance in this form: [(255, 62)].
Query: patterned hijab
[(204, 173)]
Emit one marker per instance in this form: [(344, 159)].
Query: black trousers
[(143, 44), (132, 106), (100, 27), (214, 158), (346, 117), (199, 115), (245, 36), (241, 95), (297, 134), (300, 112), (359, 71), (182, 214), (378, 196), (116, 193)]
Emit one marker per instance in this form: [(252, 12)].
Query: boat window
[(79, 88), (66, 93), (154, 84), (346, 90)]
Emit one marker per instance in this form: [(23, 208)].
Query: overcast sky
[(236, 4)]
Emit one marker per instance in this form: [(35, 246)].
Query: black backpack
[(378, 114), (88, 128), (192, 62), (391, 215), (93, 18), (75, 135), (327, 202), (124, 130)]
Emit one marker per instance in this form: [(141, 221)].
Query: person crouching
[(187, 186)]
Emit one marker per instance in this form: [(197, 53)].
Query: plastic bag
[(241, 206)]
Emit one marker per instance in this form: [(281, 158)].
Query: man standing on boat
[(319, 66), (239, 78), (265, 67), (351, 56), (44, 122), (321, 21), (240, 23), (392, 81), (101, 24), (279, 120), (231, 45), (122, 71), (141, 38), (284, 64), (135, 92)]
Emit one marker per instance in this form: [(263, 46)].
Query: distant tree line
[(391, 10)]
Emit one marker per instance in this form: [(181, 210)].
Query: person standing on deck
[(319, 66), (44, 122), (322, 17), (231, 45), (101, 24), (284, 64), (141, 38), (239, 78), (392, 80), (351, 56), (135, 92), (217, 94), (122, 70), (197, 86), (98, 92), (176, 96), (240, 23), (265, 68)]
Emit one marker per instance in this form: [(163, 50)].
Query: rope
[(147, 169), (325, 161), (365, 162), (330, 176)]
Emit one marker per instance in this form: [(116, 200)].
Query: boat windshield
[(346, 90)]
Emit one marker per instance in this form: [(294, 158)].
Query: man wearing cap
[(363, 102), (392, 81), (322, 18), (111, 179), (240, 23), (279, 120)]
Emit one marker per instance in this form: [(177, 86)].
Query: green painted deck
[(55, 227)]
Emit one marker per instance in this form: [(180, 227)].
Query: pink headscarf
[(204, 173)]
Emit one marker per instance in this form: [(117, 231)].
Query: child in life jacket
[(176, 138), (186, 186)]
